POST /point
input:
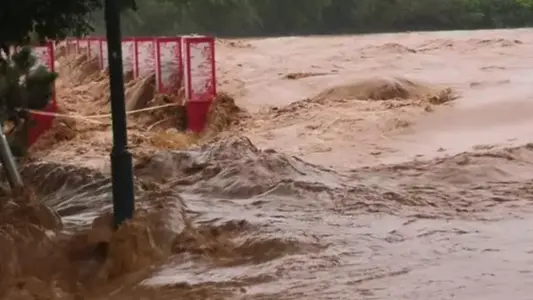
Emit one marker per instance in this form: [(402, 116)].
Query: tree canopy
[(48, 19), (291, 17), (23, 84)]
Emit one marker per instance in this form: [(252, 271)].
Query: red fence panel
[(169, 66), (104, 62), (199, 61), (200, 79), (94, 46), (144, 51), (187, 62), (42, 123), (70, 45), (128, 54), (83, 46)]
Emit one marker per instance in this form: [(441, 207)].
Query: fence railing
[(181, 63)]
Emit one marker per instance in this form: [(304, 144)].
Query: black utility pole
[(121, 161)]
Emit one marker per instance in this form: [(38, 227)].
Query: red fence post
[(101, 59), (200, 79), (135, 59)]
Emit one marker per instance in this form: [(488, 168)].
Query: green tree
[(287, 17), (24, 23), (48, 19)]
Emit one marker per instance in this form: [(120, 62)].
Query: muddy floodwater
[(391, 166)]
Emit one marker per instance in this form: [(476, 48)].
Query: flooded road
[(391, 166)]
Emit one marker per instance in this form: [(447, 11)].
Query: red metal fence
[(186, 62)]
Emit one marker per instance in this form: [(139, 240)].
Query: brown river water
[(393, 166)]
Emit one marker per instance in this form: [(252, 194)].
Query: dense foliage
[(24, 84), (47, 19), (288, 17)]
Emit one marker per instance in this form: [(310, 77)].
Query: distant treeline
[(301, 17)]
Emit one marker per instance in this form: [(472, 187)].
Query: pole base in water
[(10, 165), (122, 179)]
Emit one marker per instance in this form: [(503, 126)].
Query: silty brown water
[(405, 174)]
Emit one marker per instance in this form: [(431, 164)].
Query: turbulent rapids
[(383, 186)]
